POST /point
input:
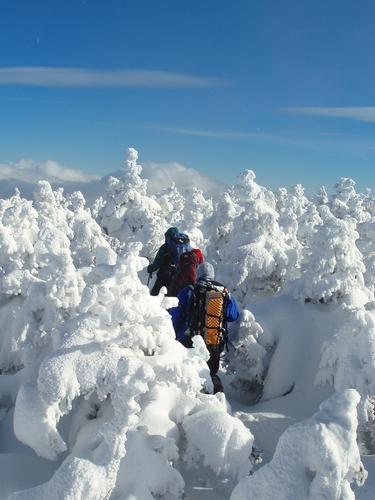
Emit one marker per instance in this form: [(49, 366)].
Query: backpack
[(186, 272), (178, 244), (207, 314)]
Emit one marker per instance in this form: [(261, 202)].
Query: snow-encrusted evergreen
[(348, 358), (128, 213), (317, 458), (257, 255), (335, 268), (248, 360), (41, 287)]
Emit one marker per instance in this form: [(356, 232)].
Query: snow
[(98, 400), (316, 458)]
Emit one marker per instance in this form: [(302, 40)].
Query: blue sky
[(283, 87)]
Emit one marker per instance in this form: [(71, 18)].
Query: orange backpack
[(207, 314)]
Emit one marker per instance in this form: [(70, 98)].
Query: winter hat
[(206, 271), (172, 231)]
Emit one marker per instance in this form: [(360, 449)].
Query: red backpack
[(186, 271)]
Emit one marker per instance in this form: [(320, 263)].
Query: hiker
[(204, 309), (167, 258), (186, 273)]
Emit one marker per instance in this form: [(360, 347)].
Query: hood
[(172, 231), (206, 271)]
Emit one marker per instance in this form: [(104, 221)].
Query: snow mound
[(223, 440), (316, 458)]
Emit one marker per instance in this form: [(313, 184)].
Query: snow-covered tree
[(88, 244), (40, 286), (366, 245), (307, 223), (292, 206), (249, 357), (198, 209), (335, 269), (315, 458), (348, 358), (220, 226), (172, 204), (257, 256), (129, 214), (347, 202), (321, 197)]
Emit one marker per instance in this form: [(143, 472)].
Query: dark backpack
[(186, 273), (177, 245), (207, 313)]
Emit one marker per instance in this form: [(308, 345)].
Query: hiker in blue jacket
[(183, 316)]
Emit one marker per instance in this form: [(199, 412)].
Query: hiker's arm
[(175, 313), (151, 268), (179, 313), (232, 311)]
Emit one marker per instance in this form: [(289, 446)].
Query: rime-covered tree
[(198, 209), (348, 358), (257, 256), (321, 197), (249, 356), (347, 202), (40, 286), (88, 244), (315, 458), (366, 244), (172, 204), (220, 225), (129, 214), (335, 268)]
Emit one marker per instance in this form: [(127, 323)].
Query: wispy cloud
[(361, 113), (314, 141), (82, 77), (274, 138), (204, 133)]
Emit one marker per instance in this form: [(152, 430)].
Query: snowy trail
[(299, 331), (366, 492), (15, 458)]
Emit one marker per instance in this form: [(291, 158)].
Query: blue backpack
[(177, 245)]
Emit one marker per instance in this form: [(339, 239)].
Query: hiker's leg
[(214, 361), (157, 286), (214, 365), (218, 386)]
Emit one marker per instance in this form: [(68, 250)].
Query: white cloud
[(30, 171), (363, 114), (161, 175), (82, 77)]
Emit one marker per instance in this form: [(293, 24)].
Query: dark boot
[(218, 386)]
